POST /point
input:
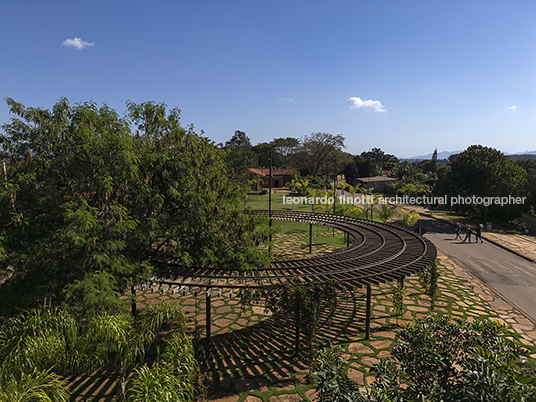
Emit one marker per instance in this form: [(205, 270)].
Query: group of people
[(468, 232)]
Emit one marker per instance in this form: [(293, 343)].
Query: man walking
[(468, 234), (458, 231), (478, 233)]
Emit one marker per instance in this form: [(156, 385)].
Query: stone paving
[(252, 354), (462, 295), (249, 367), (521, 245)]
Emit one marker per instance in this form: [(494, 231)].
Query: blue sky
[(404, 76)]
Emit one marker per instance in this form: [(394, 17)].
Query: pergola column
[(367, 319), (208, 321)]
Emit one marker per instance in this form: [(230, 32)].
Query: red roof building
[(280, 177)]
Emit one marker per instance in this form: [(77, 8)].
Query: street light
[(334, 190), (270, 203), (334, 186)]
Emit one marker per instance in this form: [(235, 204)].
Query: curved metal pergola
[(380, 253)]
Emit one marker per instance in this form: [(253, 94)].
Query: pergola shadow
[(264, 353)]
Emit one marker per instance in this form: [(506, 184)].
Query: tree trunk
[(122, 384)]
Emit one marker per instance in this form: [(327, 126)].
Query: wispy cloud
[(76, 43), (355, 102), (285, 99), (512, 108)]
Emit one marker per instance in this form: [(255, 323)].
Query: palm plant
[(122, 340), (351, 210), (38, 386), (30, 346), (171, 379), (51, 339), (39, 339), (304, 186), (385, 212), (368, 206), (409, 218)]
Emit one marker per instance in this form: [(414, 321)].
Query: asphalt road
[(506, 273)]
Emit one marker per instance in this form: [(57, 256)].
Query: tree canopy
[(317, 152), (483, 172), (91, 202)]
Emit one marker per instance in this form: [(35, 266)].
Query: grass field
[(260, 202)]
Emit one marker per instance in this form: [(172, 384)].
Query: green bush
[(435, 359), (329, 372)]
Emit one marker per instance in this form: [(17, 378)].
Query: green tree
[(439, 359), (285, 150), (240, 155), (329, 371), (385, 211), (88, 208), (317, 151), (377, 160), (409, 217), (483, 172), (262, 154)]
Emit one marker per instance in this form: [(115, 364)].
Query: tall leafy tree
[(483, 172), (63, 212), (285, 150), (376, 160), (88, 208), (317, 151), (241, 155)]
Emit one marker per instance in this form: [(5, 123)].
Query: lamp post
[(334, 186), (334, 189), (270, 203)]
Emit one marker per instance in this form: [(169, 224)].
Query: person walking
[(468, 234), (478, 233), (458, 231)]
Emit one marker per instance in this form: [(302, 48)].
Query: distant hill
[(523, 157), (440, 156), (522, 153)]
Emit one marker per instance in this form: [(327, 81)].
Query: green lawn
[(449, 215), (260, 202)]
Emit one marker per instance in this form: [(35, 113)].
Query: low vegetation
[(437, 359)]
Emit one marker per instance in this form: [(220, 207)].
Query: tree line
[(478, 171)]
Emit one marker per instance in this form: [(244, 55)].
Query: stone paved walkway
[(268, 373), (522, 245), (251, 356)]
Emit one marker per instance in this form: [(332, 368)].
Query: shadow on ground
[(263, 355)]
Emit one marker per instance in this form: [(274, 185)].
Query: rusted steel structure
[(380, 253)]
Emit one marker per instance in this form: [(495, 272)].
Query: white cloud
[(285, 99), (355, 102), (76, 43), (512, 108)]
